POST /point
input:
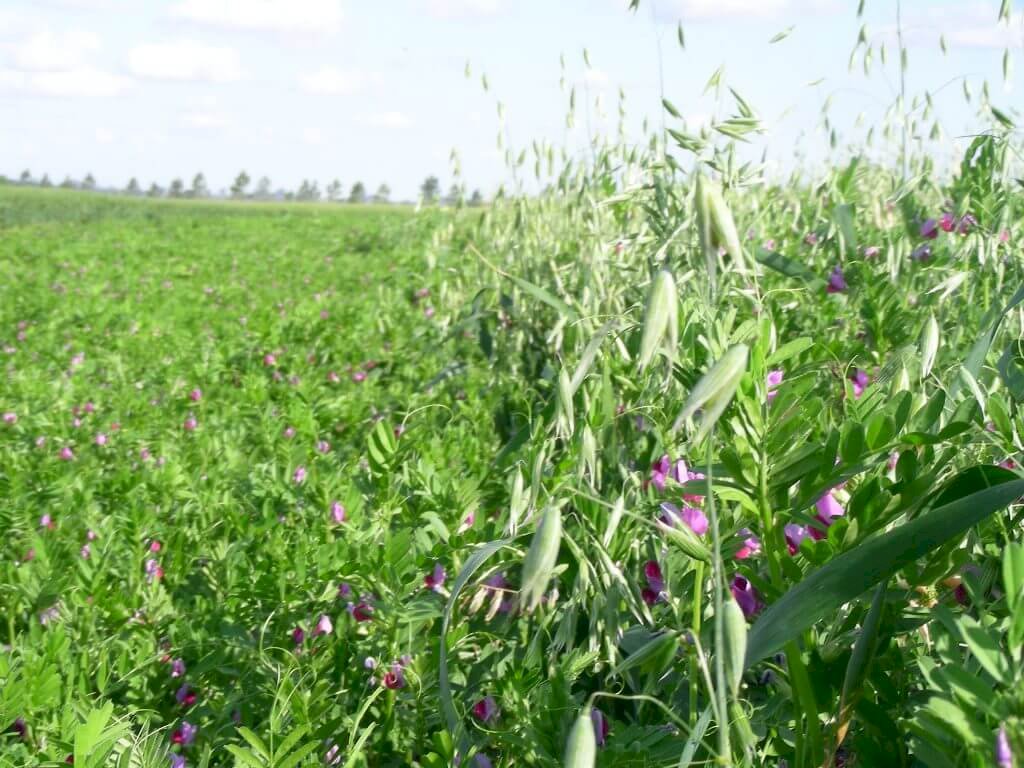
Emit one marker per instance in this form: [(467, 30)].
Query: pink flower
[(323, 625), (659, 472), (655, 588), (195, 395), (467, 522), (871, 251), (66, 454), (930, 229), (794, 535), (185, 695), (333, 377), (751, 544), (486, 709), (269, 360), (45, 521), (772, 381), (299, 476), (394, 678), (40, 441), (358, 376), (966, 222), (90, 535), (1004, 236), (1004, 755), (10, 417), (322, 446), (828, 509), (745, 595), (154, 546), (768, 245), (85, 551), (428, 312), (601, 728), (177, 668), (185, 734), (324, 314), (338, 512), (435, 580), (836, 281), (860, 381), (361, 612), (946, 222), (101, 439), (190, 424), (692, 516), (49, 615), (811, 238), (89, 407), (153, 570), (289, 433)]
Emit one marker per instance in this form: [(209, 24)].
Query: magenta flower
[(299, 635), (66, 454), (768, 245), (828, 509), (101, 439), (1004, 236), (323, 625), (195, 395), (185, 695), (860, 381), (299, 476), (177, 668), (269, 360), (655, 589), (322, 446), (871, 251), (89, 407), (794, 535), (467, 523), (745, 595), (929, 229), (659, 472), (681, 474), (486, 709), (947, 222), (772, 381), (190, 424), (751, 544), (185, 734), (435, 580), (338, 512), (45, 521), (10, 417), (362, 611), (1004, 755), (333, 755), (692, 516), (333, 377), (394, 678), (85, 551), (836, 281), (601, 728), (153, 570), (358, 376), (289, 433), (155, 545)]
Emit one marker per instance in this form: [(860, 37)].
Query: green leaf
[(857, 570), (983, 644), (244, 756)]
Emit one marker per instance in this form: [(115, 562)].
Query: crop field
[(663, 466)]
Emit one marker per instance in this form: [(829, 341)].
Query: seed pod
[(723, 226), (735, 642), (929, 345), (517, 503), (541, 558), (566, 413), (686, 540), (704, 231), (660, 317), (581, 748), (715, 390)]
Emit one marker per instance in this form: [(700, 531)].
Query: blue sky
[(374, 90)]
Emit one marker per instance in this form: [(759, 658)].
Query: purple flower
[(333, 755), (195, 395), (153, 570), (921, 253), (190, 424), (486, 709), (19, 728), (101, 439), (289, 433), (48, 615), (692, 516), (860, 381), (66, 454), (836, 281), (772, 381), (394, 678), (344, 590), (299, 476), (85, 551), (811, 238), (751, 544), (177, 668), (435, 580), (338, 512), (185, 734), (177, 761), (947, 222), (745, 595), (828, 509), (966, 222), (10, 417), (659, 472), (655, 583), (794, 535), (362, 611), (929, 229), (480, 760), (322, 446), (871, 251), (1004, 755), (601, 728), (358, 376), (299, 635), (184, 695), (45, 521)]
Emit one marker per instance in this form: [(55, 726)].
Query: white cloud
[(204, 120), (77, 82), (979, 30), (596, 78), (329, 81), (312, 135), (463, 9), (389, 119), (185, 60), (103, 136), (718, 10), (46, 51), (304, 16)]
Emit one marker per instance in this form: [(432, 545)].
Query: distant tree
[(89, 182), (454, 196), (177, 188), (155, 190), (242, 181), (382, 194), (429, 189), (133, 187), (26, 177), (67, 183), (262, 188), (199, 188), (358, 193), (45, 181), (476, 199), (334, 191)]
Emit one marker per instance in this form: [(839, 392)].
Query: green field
[(627, 475)]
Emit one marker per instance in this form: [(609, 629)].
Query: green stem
[(805, 703), (724, 747), (698, 594)]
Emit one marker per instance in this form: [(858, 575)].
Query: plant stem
[(698, 594), (724, 748)]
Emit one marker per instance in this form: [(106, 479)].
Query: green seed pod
[(541, 558), (929, 345), (581, 748), (715, 390), (704, 230), (566, 412), (660, 317), (723, 226), (735, 642), (686, 540)]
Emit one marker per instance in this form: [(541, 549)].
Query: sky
[(376, 90)]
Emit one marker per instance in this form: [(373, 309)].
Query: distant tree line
[(243, 188)]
